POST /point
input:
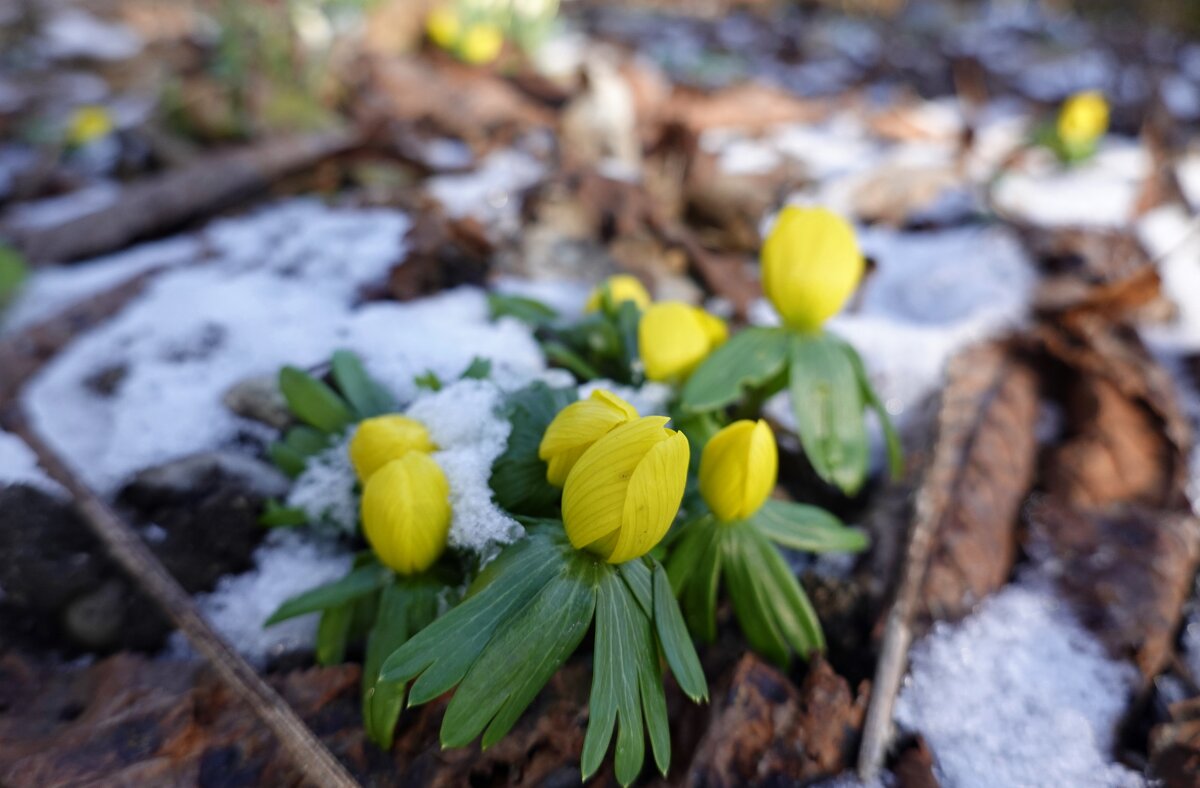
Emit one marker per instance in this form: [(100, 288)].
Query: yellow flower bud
[(624, 493), (382, 439), (1083, 119), (577, 427), (674, 338), (88, 124), (738, 469), (406, 513), (810, 266), (481, 44), (620, 288), (443, 27)]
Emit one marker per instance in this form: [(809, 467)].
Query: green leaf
[(619, 623), (332, 632), (809, 528), (428, 381), (565, 357), (521, 657), (366, 396), (13, 271), (751, 602), (518, 475), (686, 551), (786, 602), (287, 459), (527, 310), (276, 515), (637, 576), (440, 655), (358, 582), (752, 357), (895, 451), (306, 440), (828, 404), (627, 319), (696, 583), (405, 607), (676, 643), (478, 369), (312, 401)]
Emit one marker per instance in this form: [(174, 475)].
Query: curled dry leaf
[(1126, 569), (1175, 746), (443, 253), (764, 730)]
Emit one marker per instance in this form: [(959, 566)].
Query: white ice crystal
[(1019, 693), (325, 490)]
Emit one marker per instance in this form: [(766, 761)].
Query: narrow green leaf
[(627, 319), (332, 631), (558, 353), (366, 396), (786, 602), (527, 310), (654, 705), (478, 369), (429, 381), (276, 515), (809, 528), (312, 401), (699, 595), (687, 551), (519, 475), (13, 271), (618, 620), (751, 603), (287, 459), (306, 440), (382, 701), (750, 358), (828, 404), (358, 582), (676, 643), (637, 576), (895, 451)]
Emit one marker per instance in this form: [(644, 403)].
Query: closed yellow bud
[(380, 440), (481, 44), (810, 266), (1083, 119), (620, 288), (406, 513), (674, 338), (443, 27), (738, 469), (577, 427), (88, 124), (624, 493)]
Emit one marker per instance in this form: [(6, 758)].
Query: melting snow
[(489, 194), (326, 489), (18, 465)]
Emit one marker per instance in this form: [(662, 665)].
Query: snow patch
[(19, 465), (74, 33), (325, 490), (490, 193), (1018, 694)]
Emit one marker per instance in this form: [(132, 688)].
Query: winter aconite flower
[(1083, 120), (811, 264), (620, 288), (738, 469), (443, 27), (406, 512), (624, 493), (481, 44), (577, 427), (380, 440), (674, 338), (88, 124)]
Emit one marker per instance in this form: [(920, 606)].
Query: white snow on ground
[(74, 33), (288, 563), (1019, 693), (463, 423), (18, 465), (490, 193), (53, 211), (326, 489), (279, 288)]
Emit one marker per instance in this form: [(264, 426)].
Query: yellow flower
[(382, 439), (577, 427), (406, 513), (738, 469), (810, 266), (443, 27), (88, 124), (674, 338), (481, 44), (1083, 119), (624, 493), (620, 288)]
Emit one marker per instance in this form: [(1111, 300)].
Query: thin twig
[(307, 752)]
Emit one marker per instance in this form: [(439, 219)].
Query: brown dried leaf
[(444, 253), (982, 468), (1175, 747), (765, 731), (1127, 570), (750, 105)]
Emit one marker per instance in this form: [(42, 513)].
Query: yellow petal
[(673, 338), (443, 27), (379, 440), (810, 266), (481, 44), (595, 490), (620, 288), (738, 469), (87, 124), (1083, 118), (406, 513), (653, 498), (578, 426)]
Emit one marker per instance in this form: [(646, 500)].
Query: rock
[(193, 475), (259, 399)]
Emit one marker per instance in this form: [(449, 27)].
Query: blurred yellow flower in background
[(577, 427), (738, 469), (673, 338), (1083, 119), (481, 44), (811, 265), (620, 288), (443, 27), (381, 439), (406, 513), (624, 492), (88, 124)]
